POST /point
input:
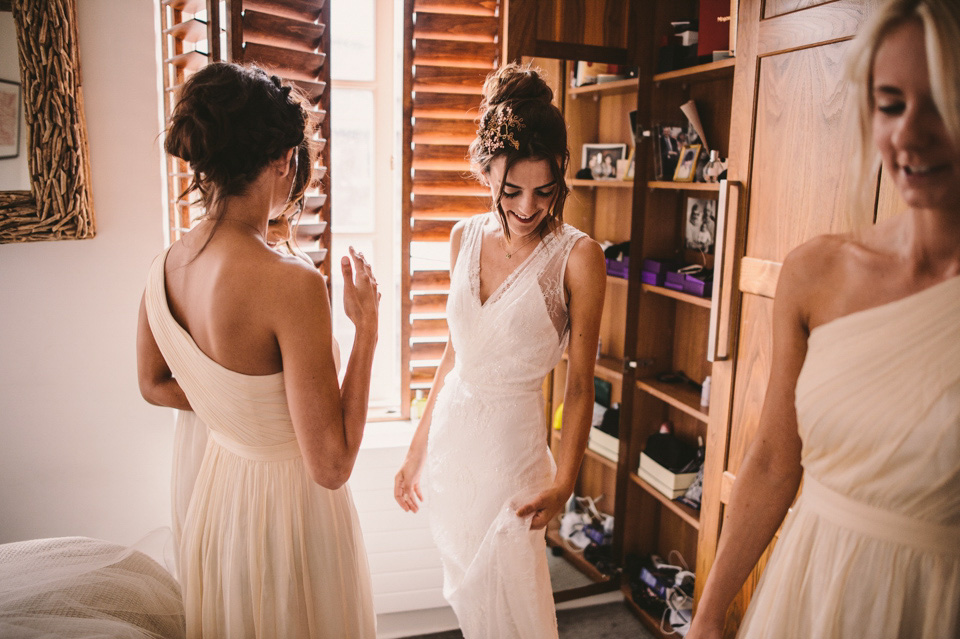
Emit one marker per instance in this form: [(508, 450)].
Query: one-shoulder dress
[(265, 551), (872, 545), (487, 448)]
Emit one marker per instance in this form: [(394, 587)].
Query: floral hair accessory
[(500, 129)]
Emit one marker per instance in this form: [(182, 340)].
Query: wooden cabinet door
[(791, 139)]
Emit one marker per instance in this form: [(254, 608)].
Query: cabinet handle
[(715, 350)]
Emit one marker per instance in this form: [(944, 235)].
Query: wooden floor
[(608, 621)]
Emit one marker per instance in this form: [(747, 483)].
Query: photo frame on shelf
[(687, 163), (10, 114), (601, 159), (627, 165), (700, 224), (668, 139)]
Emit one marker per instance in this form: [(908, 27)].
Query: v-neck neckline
[(513, 275)]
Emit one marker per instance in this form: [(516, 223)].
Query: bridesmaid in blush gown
[(270, 545), (863, 403), (524, 286)]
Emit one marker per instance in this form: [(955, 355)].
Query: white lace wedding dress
[(487, 450)]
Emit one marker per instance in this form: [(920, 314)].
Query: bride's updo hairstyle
[(519, 121), (229, 122)]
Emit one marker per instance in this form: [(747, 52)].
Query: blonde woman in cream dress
[(864, 396)]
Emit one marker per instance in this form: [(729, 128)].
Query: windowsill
[(392, 434)]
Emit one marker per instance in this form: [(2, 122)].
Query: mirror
[(58, 205)]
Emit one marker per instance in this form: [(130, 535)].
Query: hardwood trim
[(406, 303), (759, 277)]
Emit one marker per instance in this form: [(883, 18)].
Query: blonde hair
[(940, 20)]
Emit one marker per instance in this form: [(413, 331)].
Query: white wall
[(80, 452)]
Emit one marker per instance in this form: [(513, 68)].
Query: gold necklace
[(533, 236)]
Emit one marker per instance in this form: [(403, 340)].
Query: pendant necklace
[(510, 254)]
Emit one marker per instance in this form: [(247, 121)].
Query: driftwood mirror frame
[(59, 205)]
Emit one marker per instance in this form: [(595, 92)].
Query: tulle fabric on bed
[(83, 589)]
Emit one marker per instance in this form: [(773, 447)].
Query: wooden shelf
[(687, 514), (696, 300), (615, 183), (600, 459), (683, 186), (605, 87), (611, 366), (575, 558), (679, 396), (700, 72), (648, 620), (613, 280)]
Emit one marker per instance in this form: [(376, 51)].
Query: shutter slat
[(443, 131), (468, 28), (429, 328), (428, 304), (450, 206), (432, 230), (474, 55), (296, 65), (188, 31), (449, 80), (440, 157), (189, 61), (430, 281), (280, 31), (457, 7), (306, 10), (187, 6), (427, 350), (446, 105), (422, 376), (447, 183)]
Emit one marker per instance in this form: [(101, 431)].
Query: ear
[(284, 163)]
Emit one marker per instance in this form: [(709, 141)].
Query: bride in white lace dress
[(523, 286)]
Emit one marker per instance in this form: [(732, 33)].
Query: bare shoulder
[(586, 271), (293, 283)]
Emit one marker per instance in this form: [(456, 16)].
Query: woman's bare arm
[(585, 279), (770, 475), (157, 384)]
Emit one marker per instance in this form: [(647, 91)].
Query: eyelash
[(890, 109), (537, 193)]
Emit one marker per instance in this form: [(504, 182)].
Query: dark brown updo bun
[(518, 120), (229, 122)]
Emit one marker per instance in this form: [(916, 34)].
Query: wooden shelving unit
[(601, 184), (677, 395), (629, 84), (700, 72), (689, 515), (677, 295), (682, 186)]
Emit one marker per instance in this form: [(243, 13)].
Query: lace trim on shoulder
[(551, 280)]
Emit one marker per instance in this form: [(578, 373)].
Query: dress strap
[(879, 523)]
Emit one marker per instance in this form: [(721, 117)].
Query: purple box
[(696, 286), (659, 266), (674, 280), (619, 268), (649, 277)]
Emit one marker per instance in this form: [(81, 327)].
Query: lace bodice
[(517, 335)]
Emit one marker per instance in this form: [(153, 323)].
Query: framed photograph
[(10, 102), (687, 164), (700, 227), (601, 159), (628, 164), (668, 139)]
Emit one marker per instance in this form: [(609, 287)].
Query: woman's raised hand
[(361, 300)]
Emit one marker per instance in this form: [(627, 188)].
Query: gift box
[(674, 280), (663, 479), (649, 277), (695, 285), (618, 268), (660, 266)]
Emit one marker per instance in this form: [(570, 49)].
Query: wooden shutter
[(288, 38), (449, 48)]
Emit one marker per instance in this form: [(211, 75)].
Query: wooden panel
[(474, 55), (889, 202), (446, 105), (801, 109), (440, 26), (828, 22), (430, 281), (449, 80), (773, 8), (759, 277)]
